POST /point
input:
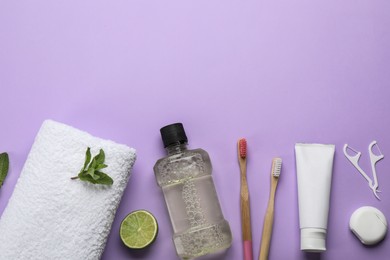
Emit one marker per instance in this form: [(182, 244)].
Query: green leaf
[(104, 178), (100, 157), (100, 166), (87, 158), (93, 163), (91, 171), (87, 178), (4, 164)]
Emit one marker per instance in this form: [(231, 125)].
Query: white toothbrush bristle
[(276, 167)]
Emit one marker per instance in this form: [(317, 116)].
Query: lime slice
[(138, 229)]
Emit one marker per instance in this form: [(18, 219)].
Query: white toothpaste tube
[(314, 174)]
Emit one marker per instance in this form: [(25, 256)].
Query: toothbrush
[(244, 195), (269, 216)]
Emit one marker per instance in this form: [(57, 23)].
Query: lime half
[(138, 229)]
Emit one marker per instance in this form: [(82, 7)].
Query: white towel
[(50, 216)]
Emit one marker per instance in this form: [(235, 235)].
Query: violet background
[(276, 72)]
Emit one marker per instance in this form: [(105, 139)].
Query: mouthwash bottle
[(185, 178)]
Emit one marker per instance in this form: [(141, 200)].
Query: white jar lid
[(369, 225)]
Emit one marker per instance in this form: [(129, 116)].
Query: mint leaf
[(4, 164), (104, 179), (87, 158), (91, 170), (87, 178), (100, 157), (93, 163), (101, 166)]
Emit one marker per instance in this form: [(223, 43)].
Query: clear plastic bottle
[(185, 178)]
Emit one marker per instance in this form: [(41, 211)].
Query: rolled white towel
[(50, 216)]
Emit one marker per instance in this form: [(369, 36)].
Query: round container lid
[(369, 225), (173, 133)]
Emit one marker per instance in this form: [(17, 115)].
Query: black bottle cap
[(172, 134)]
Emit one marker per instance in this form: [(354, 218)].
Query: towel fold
[(50, 216)]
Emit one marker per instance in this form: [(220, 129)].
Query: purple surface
[(275, 72)]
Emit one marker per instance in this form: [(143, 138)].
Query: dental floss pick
[(355, 162), (373, 158)]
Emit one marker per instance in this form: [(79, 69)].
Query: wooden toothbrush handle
[(246, 227), (245, 207), (245, 214), (268, 222), (245, 218)]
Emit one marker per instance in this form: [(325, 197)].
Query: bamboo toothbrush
[(269, 216), (244, 195)]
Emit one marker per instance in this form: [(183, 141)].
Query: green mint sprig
[(91, 169), (4, 164)]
